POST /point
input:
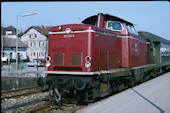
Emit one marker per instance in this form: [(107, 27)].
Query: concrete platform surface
[(150, 97)]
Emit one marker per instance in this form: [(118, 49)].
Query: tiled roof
[(9, 28), (42, 29), (11, 42)]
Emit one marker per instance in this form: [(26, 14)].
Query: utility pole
[(79, 21), (17, 37), (2, 41)]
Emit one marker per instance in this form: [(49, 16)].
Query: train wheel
[(132, 81), (121, 87), (144, 79), (98, 99), (152, 74)]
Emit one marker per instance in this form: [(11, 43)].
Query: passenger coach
[(159, 51)]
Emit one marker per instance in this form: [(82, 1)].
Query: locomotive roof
[(153, 37), (92, 19)]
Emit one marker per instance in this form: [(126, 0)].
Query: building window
[(10, 55), (3, 54), (41, 43), (44, 44), (29, 44), (33, 35), (8, 32), (33, 44), (34, 53)]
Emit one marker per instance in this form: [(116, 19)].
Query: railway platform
[(26, 77), (152, 96)]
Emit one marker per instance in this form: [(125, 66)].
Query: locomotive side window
[(114, 25), (131, 30)]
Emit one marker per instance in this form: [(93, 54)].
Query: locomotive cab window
[(114, 25), (132, 30)]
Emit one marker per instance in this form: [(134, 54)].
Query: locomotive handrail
[(72, 72), (96, 72)]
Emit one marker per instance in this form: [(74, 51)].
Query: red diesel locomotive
[(95, 59)]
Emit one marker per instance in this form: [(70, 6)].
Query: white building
[(8, 32), (8, 45), (9, 49), (37, 40)]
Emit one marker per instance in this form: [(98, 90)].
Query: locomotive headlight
[(68, 30), (48, 64), (87, 64), (88, 58), (48, 58)]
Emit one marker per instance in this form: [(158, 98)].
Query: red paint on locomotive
[(71, 46)]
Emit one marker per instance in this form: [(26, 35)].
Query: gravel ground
[(24, 103), (13, 103), (69, 108)]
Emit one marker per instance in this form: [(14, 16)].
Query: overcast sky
[(151, 16)]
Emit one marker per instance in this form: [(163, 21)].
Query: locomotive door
[(75, 49), (68, 52), (132, 55)]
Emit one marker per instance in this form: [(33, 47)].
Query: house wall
[(10, 53), (37, 44)]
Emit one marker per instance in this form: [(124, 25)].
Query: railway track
[(34, 100), (52, 107), (20, 92), (15, 99)]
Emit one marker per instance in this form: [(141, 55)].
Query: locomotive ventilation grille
[(59, 59), (76, 59)]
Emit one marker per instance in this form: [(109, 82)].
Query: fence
[(27, 76), (23, 70)]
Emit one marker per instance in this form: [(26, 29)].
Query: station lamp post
[(23, 15)]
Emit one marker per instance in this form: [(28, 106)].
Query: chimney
[(42, 29), (100, 20), (41, 26)]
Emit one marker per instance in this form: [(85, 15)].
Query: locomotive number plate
[(68, 36)]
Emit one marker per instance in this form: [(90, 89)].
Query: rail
[(20, 92)]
